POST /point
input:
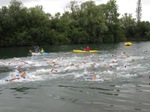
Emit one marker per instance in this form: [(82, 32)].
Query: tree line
[(79, 24)]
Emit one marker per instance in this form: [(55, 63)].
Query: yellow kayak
[(128, 44), (83, 51)]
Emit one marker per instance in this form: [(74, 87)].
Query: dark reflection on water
[(11, 52), (98, 89), (95, 88), (22, 89)]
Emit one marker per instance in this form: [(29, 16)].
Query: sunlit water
[(113, 80)]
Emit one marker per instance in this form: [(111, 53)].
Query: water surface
[(117, 79)]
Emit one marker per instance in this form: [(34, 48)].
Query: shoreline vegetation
[(84, 23)]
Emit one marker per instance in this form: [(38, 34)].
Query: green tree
[(110, 10), (128, 25), (142, 31), (93, 21)]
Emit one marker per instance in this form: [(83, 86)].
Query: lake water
[(116, 79)]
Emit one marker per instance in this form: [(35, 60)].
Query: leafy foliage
[(81, 23)]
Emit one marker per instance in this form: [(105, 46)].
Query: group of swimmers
[(17, 76), (57, 67)]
